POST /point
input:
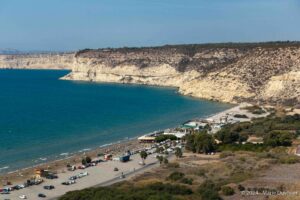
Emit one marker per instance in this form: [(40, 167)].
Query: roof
[(146, 138)]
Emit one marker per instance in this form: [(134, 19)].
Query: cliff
[(37, 61), (255, 72), (233, 72)]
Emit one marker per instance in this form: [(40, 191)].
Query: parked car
[(72, 182), (42, 195), (82, 174), (51, 176), (5, 192), (81, 167), (116, 169), (49, 187), (73, 178)]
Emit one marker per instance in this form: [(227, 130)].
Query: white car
[(23, 197), (21, 186), (82, 174), (72, 182)]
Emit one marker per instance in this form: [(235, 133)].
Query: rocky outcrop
[(254, 72), (263, 72), (37, 61)]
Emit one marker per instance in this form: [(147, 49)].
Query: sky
[(67, 25)]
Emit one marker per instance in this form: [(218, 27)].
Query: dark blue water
[(43, 117)]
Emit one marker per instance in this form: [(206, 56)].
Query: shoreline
[(103, 174), (75, 157), (58, 164)]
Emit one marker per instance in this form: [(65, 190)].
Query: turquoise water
[(43, 117)]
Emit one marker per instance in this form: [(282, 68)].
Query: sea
[(43, 118)]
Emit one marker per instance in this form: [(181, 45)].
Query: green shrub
[(279, 138), (289, 159), (155, 191), (162, 138), (227, 191), (188, 181), (175, 176), (209, 191), (170, 189), (240, 116)]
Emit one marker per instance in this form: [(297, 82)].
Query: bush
[(240, 116), (162, 138), (208, 191), (170, 189), (188, 181), (289, 159), (243, 147), (122, 191), (88, 159), (241, 188), (175, 176), (278, 138), (227, 191)]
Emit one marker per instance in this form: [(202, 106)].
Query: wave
[(3, 168)]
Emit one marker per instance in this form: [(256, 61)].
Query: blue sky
[(77, 24)]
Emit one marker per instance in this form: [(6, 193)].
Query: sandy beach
[(19, 176)]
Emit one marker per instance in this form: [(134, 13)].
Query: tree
[(160, 159), (204, 143), (200, 142), (88, 159), (178, 152), (83, 161), (166, 161), (278, 138), (162, 138), (190, 144), (227, 136), (143, 155), (159, 149)]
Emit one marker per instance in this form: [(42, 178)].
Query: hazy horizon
[(66, 25)]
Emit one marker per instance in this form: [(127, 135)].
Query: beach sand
[(19, 176)]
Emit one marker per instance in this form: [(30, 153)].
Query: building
[(146, 139)]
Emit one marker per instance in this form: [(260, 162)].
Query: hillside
[(230, 72), (260, 72)]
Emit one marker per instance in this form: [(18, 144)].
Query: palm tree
[(143, 155)]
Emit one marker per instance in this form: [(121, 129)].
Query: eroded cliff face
[(37, 61), (266, 73), (262, 72)]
